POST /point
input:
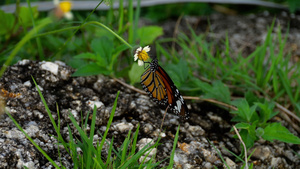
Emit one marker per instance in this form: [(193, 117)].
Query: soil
[(208, 122)]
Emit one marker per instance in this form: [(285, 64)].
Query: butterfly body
[(160, 87)]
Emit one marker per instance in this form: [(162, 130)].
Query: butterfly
[(160, 87)]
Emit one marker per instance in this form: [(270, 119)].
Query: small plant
[(101, 61), (253, 120)]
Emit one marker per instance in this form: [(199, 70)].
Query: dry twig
[(245, 149)]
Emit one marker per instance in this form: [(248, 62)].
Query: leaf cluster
[(253, 117)]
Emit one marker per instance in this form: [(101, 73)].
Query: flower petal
[(135, 57), (146, 48), (138, 49), (68, 15), (140, 63)]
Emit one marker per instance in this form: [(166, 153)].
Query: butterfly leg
[(164, 118)]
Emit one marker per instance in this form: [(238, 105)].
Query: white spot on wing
[(181, 98), (178, 105)]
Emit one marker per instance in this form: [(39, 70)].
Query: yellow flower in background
[(141, 55), (63, 9), (65, 6)]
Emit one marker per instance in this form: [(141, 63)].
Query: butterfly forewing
[(154, 86)]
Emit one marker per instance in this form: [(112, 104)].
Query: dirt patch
[(245, 32)]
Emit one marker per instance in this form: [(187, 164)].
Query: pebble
[(122, 127), (91, 104), (275, 161), (209, 156), (261, 152), (32, 129), (148, 128), (38, 114), (180, 158), (290, 155), (27, 84), (24, 62), (207, 165), (196, 130), (49, 66), (141, 144), (230, 163), (65, 74), (15, 133)]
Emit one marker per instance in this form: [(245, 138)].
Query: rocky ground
[(78, 94)]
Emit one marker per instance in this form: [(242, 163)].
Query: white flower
[(63, 9), (141, 55)]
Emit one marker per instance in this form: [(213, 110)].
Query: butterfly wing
[(175, 99), (159, 86), (154, 86)]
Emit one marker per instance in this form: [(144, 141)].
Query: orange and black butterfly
[(159, 86)]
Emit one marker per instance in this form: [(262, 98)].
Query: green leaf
[(119, 49), (200, 85), (247, 133), (275, 131), (247, 138), (251, 98), (293, 5), (86, 55), (24, 15), (219, 91), (77, 45), (266, 111), (116, 54), (91, 69), (53, 42), (242, 126), (246, 113), (7, 21), (135, 73), (77, 63), (103, 48), (237, 118), (148, 34), (101, 32), (178, 72)]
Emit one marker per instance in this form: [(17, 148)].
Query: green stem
[(88, 23), (38, 41), (130, 20), (121, 16)]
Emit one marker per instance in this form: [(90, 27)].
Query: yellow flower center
[(143, 55), (65, 6)]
